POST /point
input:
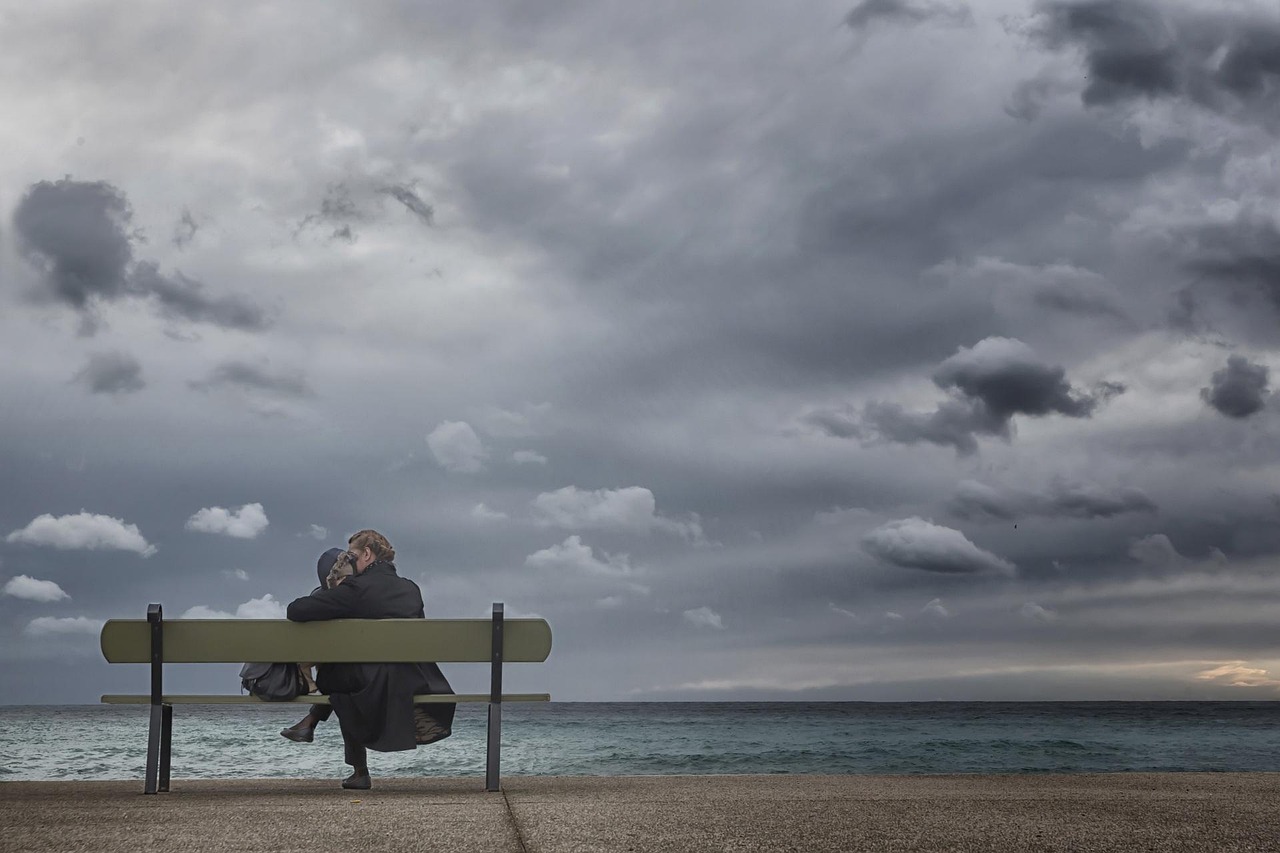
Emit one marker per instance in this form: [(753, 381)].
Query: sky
[(879, 350)]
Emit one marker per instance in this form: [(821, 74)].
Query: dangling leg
[(304, 731)]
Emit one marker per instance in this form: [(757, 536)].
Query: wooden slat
[(335, 641), (232, 699)]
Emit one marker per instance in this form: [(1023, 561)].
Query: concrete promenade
[(1112, 812)]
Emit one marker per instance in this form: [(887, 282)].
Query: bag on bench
[(273, 682)]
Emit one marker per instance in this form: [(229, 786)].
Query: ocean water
[(85, 742)]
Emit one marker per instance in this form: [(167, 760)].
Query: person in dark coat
[(374, 701), (332, 568)]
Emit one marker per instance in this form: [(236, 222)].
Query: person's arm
[(336, 603)]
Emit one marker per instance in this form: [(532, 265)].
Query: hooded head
[(325, 563)]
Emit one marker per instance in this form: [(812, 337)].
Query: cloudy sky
[(893, 349)]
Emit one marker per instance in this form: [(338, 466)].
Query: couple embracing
[(374, 701)]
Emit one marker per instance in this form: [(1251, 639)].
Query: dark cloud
[(990, 383), (1226, 60), (933, 198), (112, 373), (337, 210), (955, 423), (1004, 375), (76, 233), (1251, 67), (182, 298), (185, 231), (1239, 389), (244, 375), (1244, 251), (702, 229), (406, 196), (340, 211), (841, 424), (1061, 500), (906, 12), (1028, 98)]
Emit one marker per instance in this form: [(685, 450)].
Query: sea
[(87, 742)]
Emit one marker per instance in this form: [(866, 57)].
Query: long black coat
[(374, 701)]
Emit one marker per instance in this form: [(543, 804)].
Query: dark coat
[(374, 701)]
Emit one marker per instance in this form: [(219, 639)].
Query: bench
[(494, 641)]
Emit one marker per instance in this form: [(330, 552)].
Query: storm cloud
[(412, 202), (181, 298), (694, 340), (1243, 252), (251, 377), (77, 234), (1239, 389), (991, 382), (112, 373), (338, 212), (906, 12), (973, 499), (1227, 60)]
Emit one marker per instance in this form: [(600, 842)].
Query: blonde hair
[(375, 542), (343, 568)]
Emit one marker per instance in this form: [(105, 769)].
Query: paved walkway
[(1113, 812)]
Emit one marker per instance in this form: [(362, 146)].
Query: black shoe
[(299, 734), (358, 782)]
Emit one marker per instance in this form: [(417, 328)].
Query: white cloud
[(45, 626), (202, 612), (1035, 613), (238, 574), (481, 512), (319, 532), (848, 614), (528, 457), (83, 531), (456, 447), (704, 617), (935, 609), (630, 508), (1236, 674), (33, 590), (245, 523), (261, 608), (255, 608), (573, 554), (1155, 550), (918, 544)]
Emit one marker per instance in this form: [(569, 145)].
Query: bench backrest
[(333, 641)]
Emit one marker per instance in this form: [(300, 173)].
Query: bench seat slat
[(332, 641), (233, 699)]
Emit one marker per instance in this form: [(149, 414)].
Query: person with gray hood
[(332, 568)]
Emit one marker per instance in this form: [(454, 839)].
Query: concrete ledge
[(1110, 812)]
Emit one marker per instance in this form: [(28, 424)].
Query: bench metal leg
[(154, 734), (492, 755), (161, 714), (166, 742)]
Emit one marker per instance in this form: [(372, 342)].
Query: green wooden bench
[(155, 641)]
